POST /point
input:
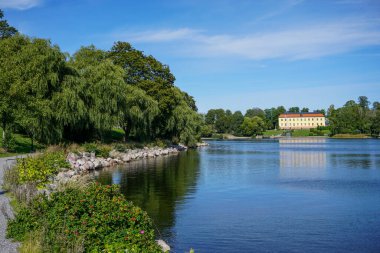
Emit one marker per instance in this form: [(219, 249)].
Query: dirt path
[(6, 246)]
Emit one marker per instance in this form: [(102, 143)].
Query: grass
[(273, 132), (350, 136), (301, 133), (23, 145)]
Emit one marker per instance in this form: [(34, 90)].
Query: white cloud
[(162, 35), (19, 4), (295, 43)]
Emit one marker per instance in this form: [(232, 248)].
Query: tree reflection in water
[(157, 185)]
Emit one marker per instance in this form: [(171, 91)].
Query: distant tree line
[(54, 97), (355, 117), (352, 118), (255, 120)]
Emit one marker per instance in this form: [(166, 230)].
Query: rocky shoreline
[(84, 163)]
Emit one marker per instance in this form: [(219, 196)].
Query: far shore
[(337, 136)]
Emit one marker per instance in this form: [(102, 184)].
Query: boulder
[(126, 158), (164, 246)]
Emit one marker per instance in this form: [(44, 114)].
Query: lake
[(287, 195)]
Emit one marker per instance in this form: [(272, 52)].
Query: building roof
[(300, 115)]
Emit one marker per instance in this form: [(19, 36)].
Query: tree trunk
[(127, 131)]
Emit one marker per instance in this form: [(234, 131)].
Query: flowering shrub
[(97, 219), (37, 169)]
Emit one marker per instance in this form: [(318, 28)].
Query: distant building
[(305, 120)]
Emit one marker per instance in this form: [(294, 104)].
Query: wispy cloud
[(160, 36), (292, 43), (283, 9), (19, 4)]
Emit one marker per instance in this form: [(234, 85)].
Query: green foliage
[(206, 130), (9, 142), (255, 112), (352, 118), (5, 29), (252, 126), (38, 169), (295, 109), (273, 132), (162, 110), (139, 113), (217, 136), (300, 133), (98, 218), (52, 100), (101, 150)]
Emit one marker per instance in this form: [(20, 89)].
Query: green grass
[(115, 135), (301, 133), (273, 132), (23, 145), (350, 136)]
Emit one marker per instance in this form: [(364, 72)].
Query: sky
[(230, 54)]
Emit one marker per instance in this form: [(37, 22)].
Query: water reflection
[(157, 185), (302, 157)]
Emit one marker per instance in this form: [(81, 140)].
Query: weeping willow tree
[(139, 113), (52, 99), (101, 87), (9, 96), (33, 74), (184, 123)]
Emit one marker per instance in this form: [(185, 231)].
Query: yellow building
[(306, 120)]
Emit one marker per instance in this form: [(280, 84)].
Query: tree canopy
[(53, 97)]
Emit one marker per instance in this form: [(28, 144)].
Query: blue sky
[(233, 54)]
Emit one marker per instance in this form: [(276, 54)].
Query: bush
[(38, 169), (101, 150), (96, 219), (9, 142), (217, 136)]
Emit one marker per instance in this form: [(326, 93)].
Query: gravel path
[(6, 246)]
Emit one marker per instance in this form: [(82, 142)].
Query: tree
[(237, 119), (252, 126), (363, 102), (9, 96), (305, 109), (155, 78), (217, 118), (139, 113), (6, 30), (347, 119), (323, 111), (184, 123), (294, 109), (375, 121), (33, 71), (101, 88), (255, 112)]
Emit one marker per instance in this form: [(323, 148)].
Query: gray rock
[(126, 158), (81, 161), (164, 246)]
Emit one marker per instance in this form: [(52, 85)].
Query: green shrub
[(38, 169), (217, 136), (91, 147), (98, 219), (9, 142), (101, 150), (121, 147)]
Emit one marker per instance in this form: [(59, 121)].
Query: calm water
[(292, 195)]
